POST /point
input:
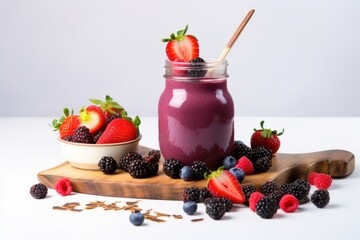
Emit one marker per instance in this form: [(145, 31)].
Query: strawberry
[(119, 130), (266, 137), (93, 118), (66, 124), (221, 183), (182, 47), (109, 106)]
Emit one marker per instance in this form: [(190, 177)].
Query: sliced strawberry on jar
[(266, 137), (109, 106), (67, 124), (182, 47), (221, 183), (93, 118)]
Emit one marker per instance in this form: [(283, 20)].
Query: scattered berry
[(320, 198), (254, 199), (267, 138), (229, 162), (241, 150), (277, 195), (82, 135), (200, 169), (260, 152), (38, 191), (262, 164), (248, 190), (204, 193), (299, 191), (127, 158), (172, 167), (215, 208), (311, 177), (322, 181), (266, 207), (269, 187), (155, 153), (186, 173), (227, 203), (140, 168), (222, 183), (63, 186), (191, 194), (288, 203), (238, 173), (190, 207), (137, 218), (246, 165), (107, 165)]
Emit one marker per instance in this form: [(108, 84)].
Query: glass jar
[(196, 113)]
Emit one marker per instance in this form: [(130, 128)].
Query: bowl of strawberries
[(101, 129)]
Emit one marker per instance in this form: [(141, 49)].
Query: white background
[(295, 58)]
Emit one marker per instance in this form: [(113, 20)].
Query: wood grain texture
[(286, 168)]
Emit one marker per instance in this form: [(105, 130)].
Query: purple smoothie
[(196, 120)]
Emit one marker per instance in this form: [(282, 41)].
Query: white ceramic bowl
[(87, 156)]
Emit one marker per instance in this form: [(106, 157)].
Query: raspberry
[(288, 203), (254, 199), (311, 177), (246, 165), (63, 186), (38, 191), (322, 181)]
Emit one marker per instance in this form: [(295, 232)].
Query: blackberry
[(68, 138), (197, 72), (127, 158), (266, 207), (204, 194), (199, 170), (320, 198), (269, 187), (248, 190), (277, 195), (82, 135), (228, 204), (240, 150), (139, 168), (297, 190), (153, 168), (112, 117), (262, 164), (38, 191), (155, 154), (215, 208), (107, 165), (304, 183), (260, 152), (191, 194), (97, 136), (172, 167)]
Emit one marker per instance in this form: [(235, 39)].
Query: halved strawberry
[(221, 183), (109, 106), (66, 124), (93, 118), (182, 47)]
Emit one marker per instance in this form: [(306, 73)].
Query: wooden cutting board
[(286, 168)]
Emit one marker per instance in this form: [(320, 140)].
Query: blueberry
[(190, 207), (229, 162), (136, 218), (186, 173), (238, 173)]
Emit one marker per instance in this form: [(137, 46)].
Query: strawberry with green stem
[(266, 137), (109, 106), (93, 118), (67, 123), (221, 183)]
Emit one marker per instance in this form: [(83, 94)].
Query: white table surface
[(28, 146)]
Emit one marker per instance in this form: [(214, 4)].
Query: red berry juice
[(196, 114)]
